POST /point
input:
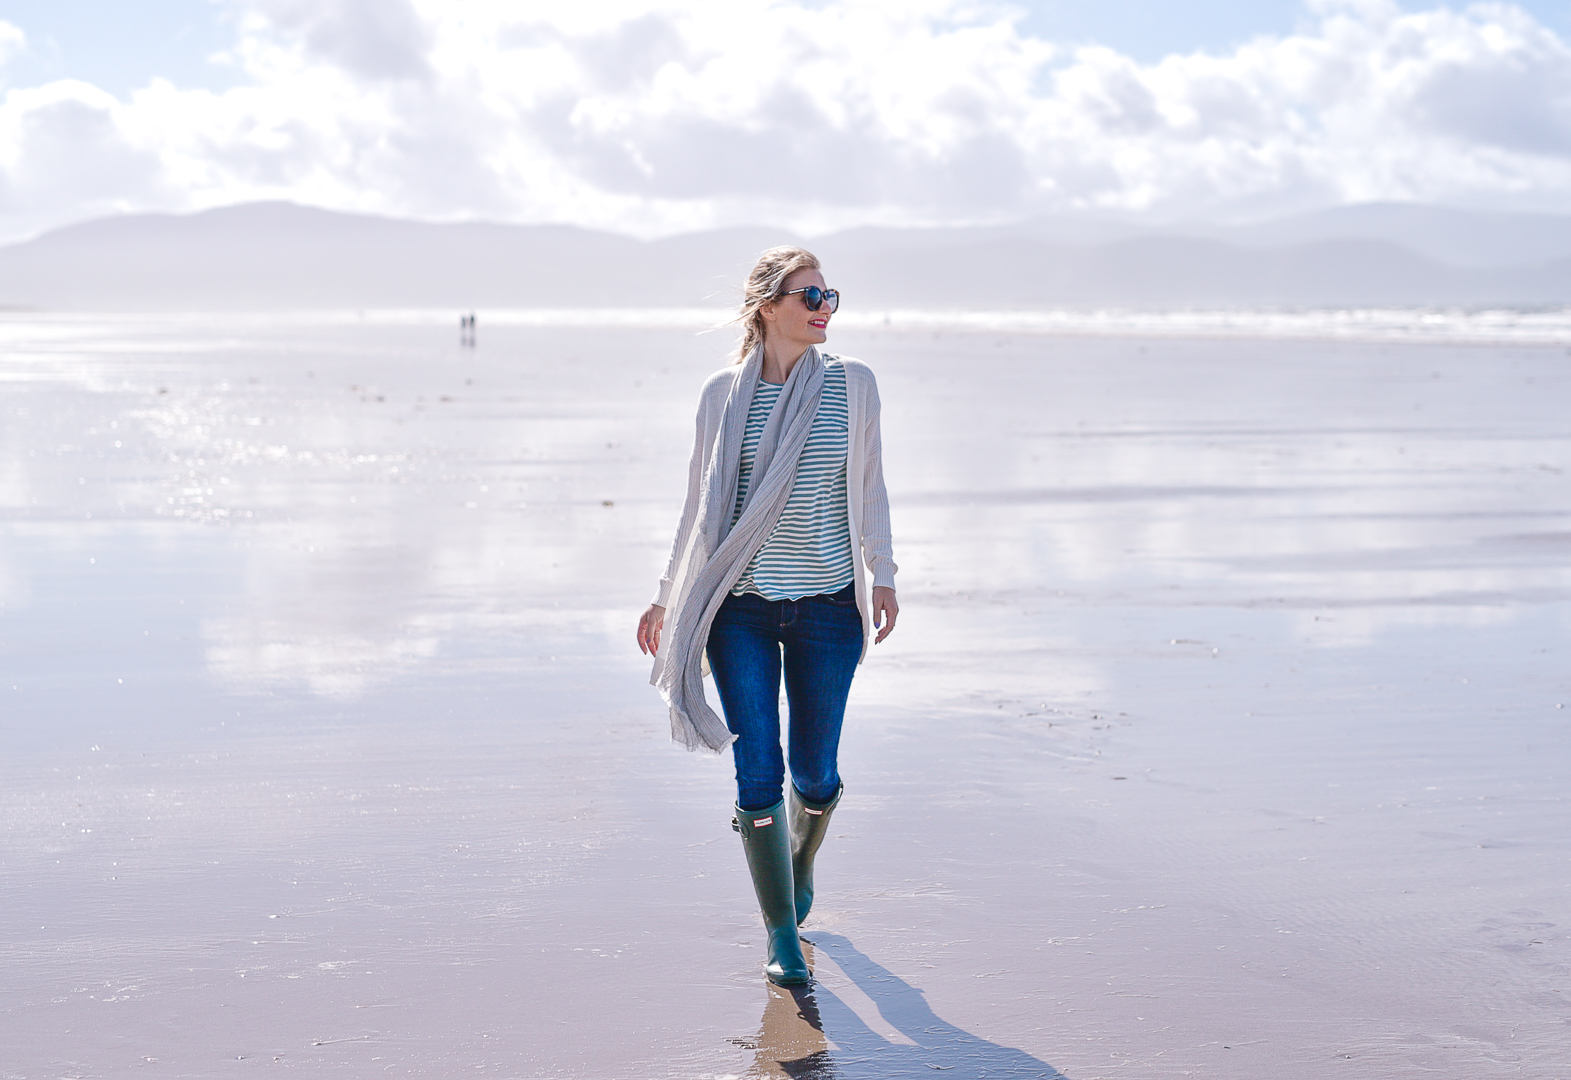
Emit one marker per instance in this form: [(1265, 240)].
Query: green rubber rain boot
[(809, 823), (766, 838)]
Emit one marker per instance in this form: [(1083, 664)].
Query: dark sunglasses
[(815, 298)]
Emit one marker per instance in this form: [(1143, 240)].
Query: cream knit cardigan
[(867, 500)]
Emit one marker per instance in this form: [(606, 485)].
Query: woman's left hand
[(885, 609)]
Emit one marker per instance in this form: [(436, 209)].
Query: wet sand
[(1222, 734)]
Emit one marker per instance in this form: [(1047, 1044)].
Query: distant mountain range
[(278, 255)]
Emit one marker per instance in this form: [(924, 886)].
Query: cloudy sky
[(656, 116)]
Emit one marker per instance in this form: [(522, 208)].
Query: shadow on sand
[(809, 1033)]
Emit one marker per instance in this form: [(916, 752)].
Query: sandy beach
[(1225, 731)]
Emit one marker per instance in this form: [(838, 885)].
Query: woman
[(785, 521)]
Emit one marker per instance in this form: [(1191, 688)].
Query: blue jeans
[(820, 638)]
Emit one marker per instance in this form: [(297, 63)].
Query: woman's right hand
[(650, 623)]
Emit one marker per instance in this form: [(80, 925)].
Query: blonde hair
[(763, 286)]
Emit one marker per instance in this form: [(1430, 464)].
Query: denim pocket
[(846, 597)]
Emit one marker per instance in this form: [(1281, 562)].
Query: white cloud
[(12, 41), (372, 39), (656, 116)]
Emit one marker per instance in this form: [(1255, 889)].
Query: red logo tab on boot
[(759, 823)]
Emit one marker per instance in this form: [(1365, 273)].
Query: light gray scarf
[(719, 551)]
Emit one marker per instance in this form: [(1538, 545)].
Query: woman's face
[(787, 319)]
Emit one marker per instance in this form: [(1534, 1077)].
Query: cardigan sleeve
[(711, 401), (684, 528), (877, 545)]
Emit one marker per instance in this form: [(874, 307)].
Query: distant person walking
[(782, 561)]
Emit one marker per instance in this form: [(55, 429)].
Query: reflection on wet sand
[(790, 1040), (814, 1033)]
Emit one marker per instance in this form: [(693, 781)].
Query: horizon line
[(1460, 324)]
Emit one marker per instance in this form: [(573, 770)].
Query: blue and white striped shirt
[(809, 551)]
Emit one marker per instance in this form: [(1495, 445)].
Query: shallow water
[(1222, 734)]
